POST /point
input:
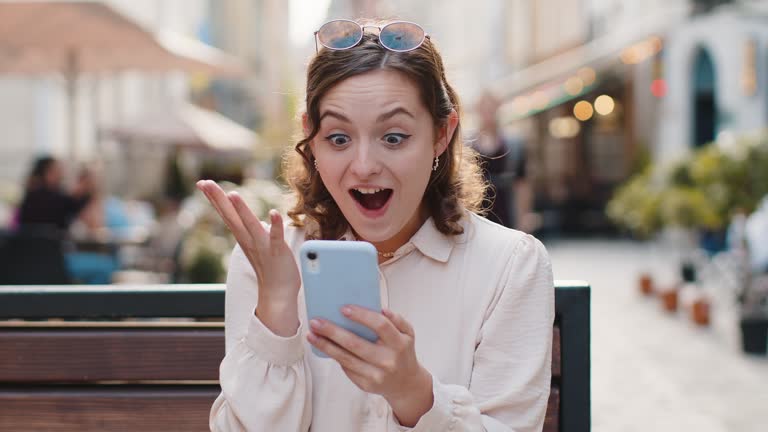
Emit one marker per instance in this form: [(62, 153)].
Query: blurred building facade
[(609, 83), (714, 67), (255, 31), (578, 90)]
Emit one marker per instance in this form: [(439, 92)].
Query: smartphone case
[(342, 273)]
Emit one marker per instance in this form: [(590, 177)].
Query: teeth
[(368, 191)]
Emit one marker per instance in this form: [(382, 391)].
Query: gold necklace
[(385, 254)]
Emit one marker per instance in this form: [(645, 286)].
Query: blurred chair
[(33, 256), (159, 260)]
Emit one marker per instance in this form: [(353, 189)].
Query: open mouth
[(371, 199)]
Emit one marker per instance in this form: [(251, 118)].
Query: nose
[(366, 162)]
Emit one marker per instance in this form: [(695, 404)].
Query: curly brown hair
[(457, 185)]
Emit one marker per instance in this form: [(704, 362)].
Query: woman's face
[(53, 175), (375, 149)]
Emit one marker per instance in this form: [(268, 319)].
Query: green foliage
[(701, 191), (206, 267), (687, 207), (176, 185), (641, 161), (635, 205)]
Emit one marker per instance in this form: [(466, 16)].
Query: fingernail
[(346, 310), (311, 337), (315, 323)]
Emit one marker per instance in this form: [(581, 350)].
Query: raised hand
[(269, 255)]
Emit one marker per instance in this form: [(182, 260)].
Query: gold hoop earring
[(437, 164)]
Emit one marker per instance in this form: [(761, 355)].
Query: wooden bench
[(109, 373)]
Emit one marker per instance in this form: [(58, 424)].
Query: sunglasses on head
[(398, 36)]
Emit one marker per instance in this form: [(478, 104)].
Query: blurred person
[(509, 197), (90, 222), (45, 201), (46, 204), (382, 160)]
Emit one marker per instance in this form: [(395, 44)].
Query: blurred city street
[(655, 371), (630, 136)]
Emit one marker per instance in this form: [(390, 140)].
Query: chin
[(374, 232)]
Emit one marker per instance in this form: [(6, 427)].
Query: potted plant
[(692, 205)]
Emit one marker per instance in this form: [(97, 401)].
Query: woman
[(508, 199), (47, 205), (382, 161), (45, 202)]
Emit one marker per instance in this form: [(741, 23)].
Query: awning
[(575, 72), (186, 126)]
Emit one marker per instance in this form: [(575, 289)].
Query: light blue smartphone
[(339, 273)]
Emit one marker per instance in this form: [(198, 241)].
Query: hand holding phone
[(339, 273)]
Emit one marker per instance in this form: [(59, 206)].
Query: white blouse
[(481, 304)]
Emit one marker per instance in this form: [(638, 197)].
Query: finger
[(346, 359), (218, 198), (346, 339), (206, 186), (276, 233), (203, 186), (380, 324), (400, 323), (216, 206), (250, 221)]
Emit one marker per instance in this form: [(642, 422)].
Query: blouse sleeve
[(265, 380), (510, 383)]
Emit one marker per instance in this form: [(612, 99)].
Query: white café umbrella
[(187, 126), (75, 38)]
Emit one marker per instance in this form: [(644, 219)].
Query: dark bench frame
[(193, 344), (572, 317)]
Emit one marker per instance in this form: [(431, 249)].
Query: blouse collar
[(428, 239)]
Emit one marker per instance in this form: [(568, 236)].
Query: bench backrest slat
[(106, 408), (93, 355)]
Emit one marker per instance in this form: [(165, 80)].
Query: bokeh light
[(583, 110), (574, 85), (587, 75), (604, 104)]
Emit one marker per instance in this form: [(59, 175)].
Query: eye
[(395, 139), (337, 140)]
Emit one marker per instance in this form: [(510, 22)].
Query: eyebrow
[(389, 114), (385, 116), (337, 115)]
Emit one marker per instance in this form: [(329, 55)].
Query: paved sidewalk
[(654, 371)]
